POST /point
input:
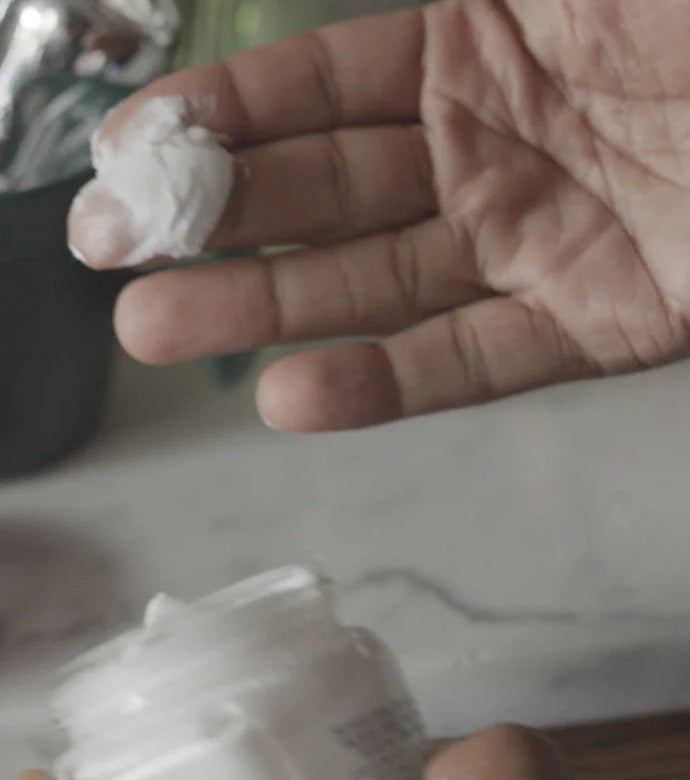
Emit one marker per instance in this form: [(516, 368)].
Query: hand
[(498, 190), (503, 753)]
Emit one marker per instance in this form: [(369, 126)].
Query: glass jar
[(257, 682)]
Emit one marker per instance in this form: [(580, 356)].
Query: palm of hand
[(557, 132), (502, 185)]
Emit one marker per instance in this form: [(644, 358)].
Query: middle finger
[(308, 190), (328, 187)]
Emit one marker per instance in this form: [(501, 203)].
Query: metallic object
[(160, 19), (125, 42), (52, 127)]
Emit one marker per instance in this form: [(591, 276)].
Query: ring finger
[(370, 286)]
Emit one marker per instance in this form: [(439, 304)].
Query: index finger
[(362, 72)]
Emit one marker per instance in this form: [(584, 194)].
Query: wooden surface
[(644, 749)]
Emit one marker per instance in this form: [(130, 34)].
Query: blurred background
[(527, 560)]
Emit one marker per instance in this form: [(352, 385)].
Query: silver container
[(119, 42)]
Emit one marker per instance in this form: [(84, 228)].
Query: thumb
[(34, 775), (502, 753)]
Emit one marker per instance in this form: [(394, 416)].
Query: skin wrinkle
[(574, 87), (589, 243), (463, 228), (589, 355), (423, 168), (625, 156), (462, 277), (610, 200), (346, 211), (347, 286), (552, 85), (460, 239), (278, 328), (572, 353), (626, 150), (662, 87), (349, 206), (325, 78), (470, 355), (476, 40), (475, 231), (526, 88), (680, 322), (404, 268), (629, 129), (600, 59), (601, 166), (478, 232), (531, 91), (570, 18), (638, 362), (531, 298), (575, 362), (243, 117), (564, 89)]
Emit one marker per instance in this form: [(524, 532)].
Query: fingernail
[(100, 228), (267, 404), (268, 422)]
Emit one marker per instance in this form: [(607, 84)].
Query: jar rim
[(242, 624)]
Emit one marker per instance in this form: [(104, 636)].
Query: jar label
[(389, 742)]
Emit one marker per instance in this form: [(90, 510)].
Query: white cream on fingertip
[(167, 183)]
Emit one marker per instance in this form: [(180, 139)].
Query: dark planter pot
[(56, 338)]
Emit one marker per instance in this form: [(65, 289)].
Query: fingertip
[(142, 317), (331, 389), (34, 774), (497, 753), (99, 228)]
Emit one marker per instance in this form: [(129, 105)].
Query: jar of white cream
[(256, 682)]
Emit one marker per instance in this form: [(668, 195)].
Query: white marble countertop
[(527, 560)]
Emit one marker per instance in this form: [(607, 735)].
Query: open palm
[(495, 190)]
